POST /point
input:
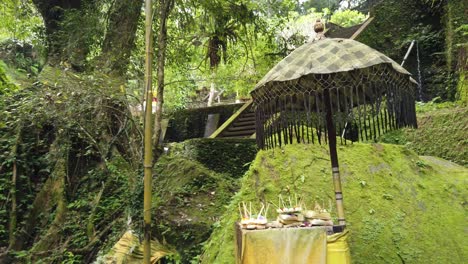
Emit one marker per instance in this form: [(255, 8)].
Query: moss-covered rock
[(6, 86), (22, 56), (441, 132), (188, 200), (462, 88), (223, 155), (400, 208), (190, 123)]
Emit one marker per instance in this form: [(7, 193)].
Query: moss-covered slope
[(441, 132), (188, 200), (400, 208)]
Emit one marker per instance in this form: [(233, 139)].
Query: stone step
[(243, 123), (242, 119), (242, 133), (240, 128)]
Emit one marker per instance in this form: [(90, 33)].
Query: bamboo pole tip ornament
[(318, 26)]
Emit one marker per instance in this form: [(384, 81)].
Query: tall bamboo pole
[(334, 158), (148, 157)]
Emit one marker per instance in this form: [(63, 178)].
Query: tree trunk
[(120, 38), (50, 198), (214, 56), (13, 213), (70, 40), (212, 89), (54, 12), (165, 7), (12, 227), (68, 49)]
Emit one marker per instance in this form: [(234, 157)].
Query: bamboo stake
[(261, 210), (148, 157), (246, 212), (282, 201), (277, 206)]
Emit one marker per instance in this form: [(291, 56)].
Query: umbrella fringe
[(338, 122), (373, 115), (323, 118), (362, 110), (344, 118)]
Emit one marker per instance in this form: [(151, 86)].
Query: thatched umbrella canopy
[(329, 88)]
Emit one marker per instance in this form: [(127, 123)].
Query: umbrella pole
[(334, 158)]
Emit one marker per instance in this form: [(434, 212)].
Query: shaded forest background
[(71, 77)]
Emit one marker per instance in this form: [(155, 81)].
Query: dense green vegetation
[(438, 27), (71, 86), (62, 156), (441, 132), (222, 155), (188, 200)]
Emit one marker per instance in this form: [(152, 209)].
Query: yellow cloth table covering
[(282, 246), (337, 249)]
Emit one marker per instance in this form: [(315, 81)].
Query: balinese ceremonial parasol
[(332, 88)]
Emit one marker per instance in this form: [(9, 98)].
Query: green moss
[(399, 207), (190, 123), (193, 183), (441, 132), (188, 200), (462, 88), (223, 155), (6, 85), (456, 30), (455, 36)]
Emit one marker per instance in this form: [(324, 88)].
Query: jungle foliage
[(71, 81), (440, 47), (71, 142), (444, 121)]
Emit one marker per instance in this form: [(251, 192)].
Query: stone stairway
[(240, 125)]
